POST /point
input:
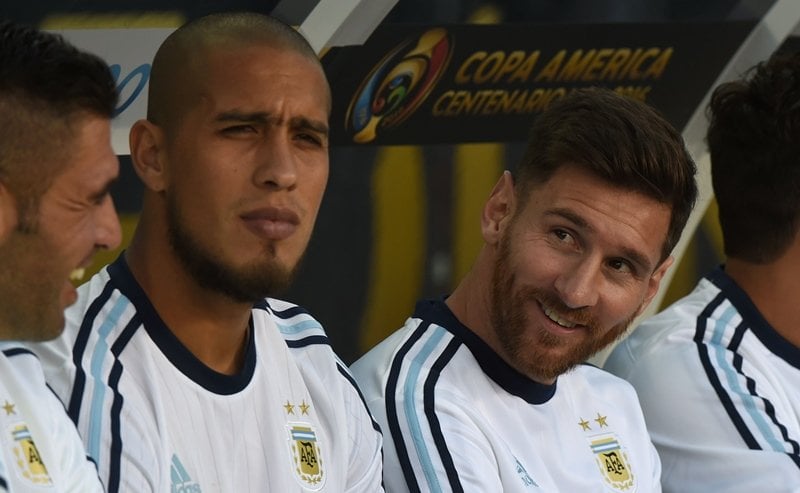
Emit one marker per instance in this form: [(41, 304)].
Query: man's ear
[(9, 212), (499, 209), (148, 154), (654, 282)]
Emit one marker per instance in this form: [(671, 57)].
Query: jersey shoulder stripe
[(433, 419), (17, 351), (409, 382), (392, 416), (297, 326), (300, 330), (102, 336), (719, 333), (308, 341), (79, 348), (115, 449)]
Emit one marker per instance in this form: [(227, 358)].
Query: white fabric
[(720, 391), (457, 418), (157, 420), (41, 450)]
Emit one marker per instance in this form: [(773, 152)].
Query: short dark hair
[(754, 140), (619, 139), (189, 43), (45, 85)]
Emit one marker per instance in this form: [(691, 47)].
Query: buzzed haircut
[(184, 49), (46, 86), (619, 139)]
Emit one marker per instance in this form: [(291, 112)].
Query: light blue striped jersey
[(720, 389), (156, 419), (457, 418)]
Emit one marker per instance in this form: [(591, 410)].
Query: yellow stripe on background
[(689, 269), (712, 229), (486, 14), (684, 279), (477, 168), (140, 20), (128, 223), (398, 242)]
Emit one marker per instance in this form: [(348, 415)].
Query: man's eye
[(620, 265), (239, 129), (562, 235), (310, 138)]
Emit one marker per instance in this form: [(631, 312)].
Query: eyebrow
[(634, 256), (298, 122)]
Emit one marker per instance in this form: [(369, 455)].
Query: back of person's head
[(618, 139), (180, 58), (46, 86), (754, 140)]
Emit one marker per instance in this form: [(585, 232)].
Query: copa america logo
[(398, 84)]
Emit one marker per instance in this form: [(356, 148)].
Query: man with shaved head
[(180, 370)]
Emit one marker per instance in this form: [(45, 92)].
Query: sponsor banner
[(486, 83), (129, 54)]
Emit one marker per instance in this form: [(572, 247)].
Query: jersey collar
[(512, 381), (756, 322), (171, 347)]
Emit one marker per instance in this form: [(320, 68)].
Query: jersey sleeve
[(122, 434), (436, 449), (119, 433), (365, 470), (710, 440), (77, 471), (54, 436)]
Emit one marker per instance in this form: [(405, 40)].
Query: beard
[(247, 283), (534, 351)]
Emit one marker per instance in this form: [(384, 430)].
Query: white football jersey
[(41, 450), (156, 419), (720, 390), (457, 418)]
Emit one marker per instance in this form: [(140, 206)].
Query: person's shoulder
[(379, 359), (18, 355), (672, 329), (594, 375), (96, 291), (589, 379), (679, 317), (21, 365), (298, 327)]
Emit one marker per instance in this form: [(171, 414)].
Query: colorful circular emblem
[(397, 85)]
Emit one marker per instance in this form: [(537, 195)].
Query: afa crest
[(613, 462), (29, 462), (305, 453)]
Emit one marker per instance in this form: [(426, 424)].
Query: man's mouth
[(555, 317)]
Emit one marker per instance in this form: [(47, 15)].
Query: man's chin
[(253, 283)]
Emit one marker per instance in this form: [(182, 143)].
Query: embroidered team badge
[(29, 462), (308, 464), (612, 461)]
